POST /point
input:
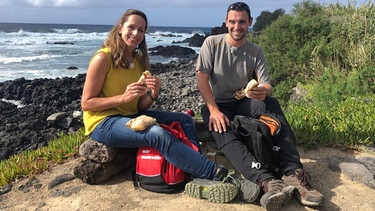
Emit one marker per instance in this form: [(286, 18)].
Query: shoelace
[(304, 177), (273, 185), (231, 178)]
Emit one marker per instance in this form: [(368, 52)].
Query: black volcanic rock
[(172, 51), (195, 41), (219, 30)]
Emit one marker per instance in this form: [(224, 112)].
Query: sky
[(188, 13)]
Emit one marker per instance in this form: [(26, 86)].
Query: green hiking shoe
[(213, 191), (247, 190)]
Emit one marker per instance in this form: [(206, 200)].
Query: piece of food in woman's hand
[(144, 75), (141, 122), (242, 92)]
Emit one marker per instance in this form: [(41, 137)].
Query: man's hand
[(257, 93), (218, 121)]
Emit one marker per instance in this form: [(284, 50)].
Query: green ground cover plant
[(347, 124), (32, 162)]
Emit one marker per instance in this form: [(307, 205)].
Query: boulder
[(98, 152), (172, 51), (195, 41), (219, 30), (102, 162)]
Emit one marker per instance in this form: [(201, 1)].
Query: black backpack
[(258, 134)]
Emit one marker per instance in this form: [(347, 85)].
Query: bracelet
[(152, 98), (149, 94)]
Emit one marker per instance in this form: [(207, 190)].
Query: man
[(227, 62)]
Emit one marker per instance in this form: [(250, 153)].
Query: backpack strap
[(135, 181), (176, 130)]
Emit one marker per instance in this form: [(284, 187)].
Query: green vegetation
[(327, 50), (29, 163), (347, 124), (266, 18)]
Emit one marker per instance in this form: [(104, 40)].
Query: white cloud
[(57, 3)]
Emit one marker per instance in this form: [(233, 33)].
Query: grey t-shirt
[(230, 68)]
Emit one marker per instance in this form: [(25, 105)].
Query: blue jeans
[(112, 131)]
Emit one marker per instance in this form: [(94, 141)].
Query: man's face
[(238, 23)]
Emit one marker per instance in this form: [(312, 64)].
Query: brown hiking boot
[(276, 194), (305, 193)]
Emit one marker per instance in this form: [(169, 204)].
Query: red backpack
[(154, 173)]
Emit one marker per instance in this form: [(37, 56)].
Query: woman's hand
[(153, 83), (134, 90)]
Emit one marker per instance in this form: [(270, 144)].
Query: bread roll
[(242, 92), (141, 123), (144, 75), (253, 83)]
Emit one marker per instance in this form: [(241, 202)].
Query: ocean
[(27, 50)]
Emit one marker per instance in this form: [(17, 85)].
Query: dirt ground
[(118, 193)]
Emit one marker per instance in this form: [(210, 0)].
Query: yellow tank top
[(115, 84)]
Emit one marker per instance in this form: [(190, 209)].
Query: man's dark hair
[(240, 6)]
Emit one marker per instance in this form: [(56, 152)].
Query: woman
[(112, 96)]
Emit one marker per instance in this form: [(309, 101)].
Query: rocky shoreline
[(48, 107)]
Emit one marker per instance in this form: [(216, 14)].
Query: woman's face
[(133, 31)]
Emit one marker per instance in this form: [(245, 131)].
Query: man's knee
[(225, 138), (271, 101)]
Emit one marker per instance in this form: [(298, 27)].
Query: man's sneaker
[(213, 191), (276, 194), (305, 193), (247, 190)]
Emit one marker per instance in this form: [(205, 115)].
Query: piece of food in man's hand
[(141, 122), (242, 92), (253, 83), (144, 75), (239, 94)]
